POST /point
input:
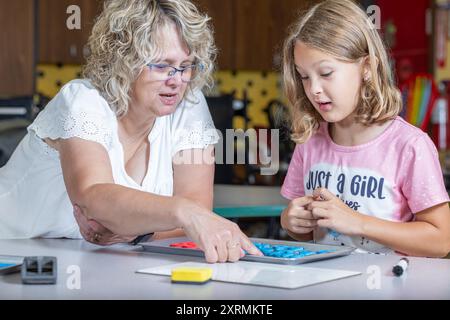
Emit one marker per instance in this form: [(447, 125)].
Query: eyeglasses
[(164, 72)]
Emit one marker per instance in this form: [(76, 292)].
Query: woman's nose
[(175, 80)]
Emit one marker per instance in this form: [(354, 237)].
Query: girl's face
[(331, 85), (157, 97)]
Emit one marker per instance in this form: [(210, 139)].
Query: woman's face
[(331, 85), (158, 97)]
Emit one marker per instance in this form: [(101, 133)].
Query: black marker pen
[(400, 267)]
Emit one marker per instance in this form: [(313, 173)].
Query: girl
[(360, 175)]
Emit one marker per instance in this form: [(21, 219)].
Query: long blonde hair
[(342, 29), (126, 36)]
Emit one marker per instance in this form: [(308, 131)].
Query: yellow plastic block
[(191, 275)]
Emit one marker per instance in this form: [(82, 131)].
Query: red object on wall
[(410, 48), (436, 134), (441, 37)]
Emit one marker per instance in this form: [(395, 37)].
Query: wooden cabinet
[(221, 13), (250, 33), (253, 37), (57, 42), (261, 29), (282, 14), (17, 48)]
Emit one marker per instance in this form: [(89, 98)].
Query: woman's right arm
[(128, 212), (90, 185)]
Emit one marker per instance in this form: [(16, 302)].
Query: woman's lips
[(169, 99)]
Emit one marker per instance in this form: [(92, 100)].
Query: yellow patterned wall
[(261, 87), (50, 78)]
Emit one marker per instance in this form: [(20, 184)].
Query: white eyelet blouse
[(33, 197)]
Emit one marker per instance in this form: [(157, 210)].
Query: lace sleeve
[(76, 111), (198, 135), (194, 127)]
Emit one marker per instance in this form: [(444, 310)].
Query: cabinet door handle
[(73, 50), (86, 51)]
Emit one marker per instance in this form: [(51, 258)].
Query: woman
[(115, 145)]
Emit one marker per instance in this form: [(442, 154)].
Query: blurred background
[(39, 54)]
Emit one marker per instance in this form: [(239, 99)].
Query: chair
[(221, 109), (18, 107), (15, 116), (11, 133)]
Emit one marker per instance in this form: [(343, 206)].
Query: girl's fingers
[(325, 223), (301, 202), (301, 230), (320, 213), (305, 223), (301, 213), (319, 204), (323, 194)]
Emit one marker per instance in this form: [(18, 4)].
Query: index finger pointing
[(248, 246)]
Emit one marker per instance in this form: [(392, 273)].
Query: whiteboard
[(261, 274)]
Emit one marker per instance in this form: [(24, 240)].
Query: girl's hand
[(94, 232), (296, 218), (335, 214)]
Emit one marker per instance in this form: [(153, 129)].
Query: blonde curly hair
[(126, 36), (342, 29)]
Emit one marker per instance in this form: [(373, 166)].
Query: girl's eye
[(304, 78), (327, 74)]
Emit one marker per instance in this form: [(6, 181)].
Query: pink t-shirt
[(391, 177)]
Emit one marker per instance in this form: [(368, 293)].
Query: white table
[(109, 273)]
